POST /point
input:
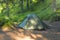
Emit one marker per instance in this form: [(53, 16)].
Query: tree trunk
[(54, 5), (30, 1), (21, 4), (31, 7), (27, 4), (7, 8)]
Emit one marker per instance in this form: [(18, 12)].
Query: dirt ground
[(19, 34)]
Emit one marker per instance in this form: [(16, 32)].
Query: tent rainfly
[(32, 21)]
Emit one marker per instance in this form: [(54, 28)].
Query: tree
[(31, 5), (27, 1), (21, 4), (54, 5), (7, 7)]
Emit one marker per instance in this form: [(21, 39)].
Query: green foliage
[(39, 7)]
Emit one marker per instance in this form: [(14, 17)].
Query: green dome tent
[(32, 21)]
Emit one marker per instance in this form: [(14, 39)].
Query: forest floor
[(19, 34)]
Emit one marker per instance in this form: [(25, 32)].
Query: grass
[(43, 10)]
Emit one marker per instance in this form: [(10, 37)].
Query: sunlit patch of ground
[(20, 34)]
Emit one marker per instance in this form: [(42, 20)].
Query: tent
[(32, 21)]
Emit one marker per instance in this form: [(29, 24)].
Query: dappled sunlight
[(21, 34), (5, 29), (33, 35), (31, 27), (15, 23), (38, 35), (1, 9), (33, 12), (25, 35), (4, 5), (33, 22), (34, 0), (4, 36), (57, 10), (25, 38), (10, 5), (6, 17), (21, 30)]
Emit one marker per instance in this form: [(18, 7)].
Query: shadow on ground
[(20, 34)]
